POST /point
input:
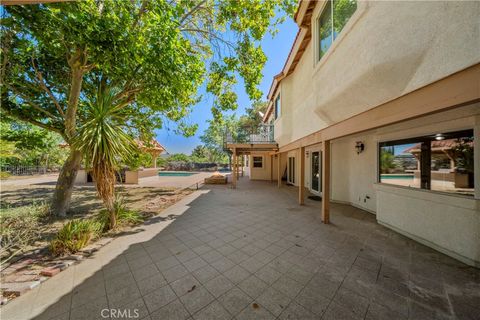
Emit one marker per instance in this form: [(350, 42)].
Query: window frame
[(451, 134), (253, 162), (335, 38), (277, 107)]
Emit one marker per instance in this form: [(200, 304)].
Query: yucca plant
[(103, 141), (75, 235)]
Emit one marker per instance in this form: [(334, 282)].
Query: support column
[(326, 181), (279, 174), (234, 171), (242, 163), (476, 159), (271, 168), (301, 180)]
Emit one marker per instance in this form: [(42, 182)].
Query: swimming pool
[(175, 174), (396, 176)]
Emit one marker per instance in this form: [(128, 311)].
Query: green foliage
[(20, 228), (124, 216), (178, 157), (4, 175), (463, 153), (25, 144), (75, 235), (387, 159)]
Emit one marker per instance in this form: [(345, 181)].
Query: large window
[(278, 108), (441, 162), (333, 18)]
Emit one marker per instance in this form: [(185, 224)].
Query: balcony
[(258, 137)]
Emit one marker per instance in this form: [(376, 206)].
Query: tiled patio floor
[(253, 253)]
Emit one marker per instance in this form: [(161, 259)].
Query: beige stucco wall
[(386, 50), (448, 223), (263, 173)]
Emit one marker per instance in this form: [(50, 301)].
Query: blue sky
[(276, 49)]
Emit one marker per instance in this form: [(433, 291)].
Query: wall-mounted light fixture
[(307, 153), (359, 146), (439, 136)]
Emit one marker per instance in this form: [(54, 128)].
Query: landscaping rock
[(18, 288), (76, 257), (50, 271)]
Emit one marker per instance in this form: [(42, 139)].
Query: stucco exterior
[(387, 51)]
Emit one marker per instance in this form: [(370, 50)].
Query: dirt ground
[(148, 201)]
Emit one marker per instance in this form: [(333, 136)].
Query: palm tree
[(105, 144)]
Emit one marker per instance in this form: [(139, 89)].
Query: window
[(258, 162), (278, 110), (440, 162), (333, 18)]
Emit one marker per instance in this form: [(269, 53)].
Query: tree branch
[(43, 85), (34, 122), (188, 14), (31, 103)]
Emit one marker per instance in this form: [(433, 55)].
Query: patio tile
[(234, 300), (133, 308), (255, 311), (145, 272), (185, 255), (253, 286), (202, 249), (223, 264), (219, 285), (206, 273), (91, 310), (337, 312), (238, 256), (311, 300), (184, 285), (159, 298), (211, 256), (296, 312), (274, 301), (379, 312), (167, 263), (150, 284), (172, 311), (194, 264), (175, 273), (214, 311), (288, 286), (129, 293), (196, 299), (268, 274), (351, 301), (236, 274)]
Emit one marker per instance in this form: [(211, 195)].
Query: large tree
[(157, 52)]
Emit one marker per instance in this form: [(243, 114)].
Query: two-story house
[(377, 106)]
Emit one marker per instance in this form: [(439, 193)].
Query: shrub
[(124, 215), (20, 227), (75, 235), (4, 175)]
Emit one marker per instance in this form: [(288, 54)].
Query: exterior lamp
[(359, 146), (439, 136)]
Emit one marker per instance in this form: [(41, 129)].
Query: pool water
[(176, 174), (397, 176)]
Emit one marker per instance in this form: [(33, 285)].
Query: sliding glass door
[(291, 170)]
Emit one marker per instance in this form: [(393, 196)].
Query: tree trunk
[(66, 179), (63, 190)]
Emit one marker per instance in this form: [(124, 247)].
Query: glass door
[(316, 172), (291, 170)]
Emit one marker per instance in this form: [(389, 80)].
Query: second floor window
[(333, 18), (278, 110)]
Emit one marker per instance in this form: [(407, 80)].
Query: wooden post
[(279, 174), (326, 181), (234, 171), (301, 180), (271, 168), (242, 163)]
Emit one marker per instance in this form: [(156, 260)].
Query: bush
[(75, 235), (4, 175), (20, 227), (124, 215)]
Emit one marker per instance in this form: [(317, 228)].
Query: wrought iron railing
[(251, 135)]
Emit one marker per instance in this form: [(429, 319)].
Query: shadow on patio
[(253, 253)]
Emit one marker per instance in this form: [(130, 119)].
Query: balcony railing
[(250, 135)]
